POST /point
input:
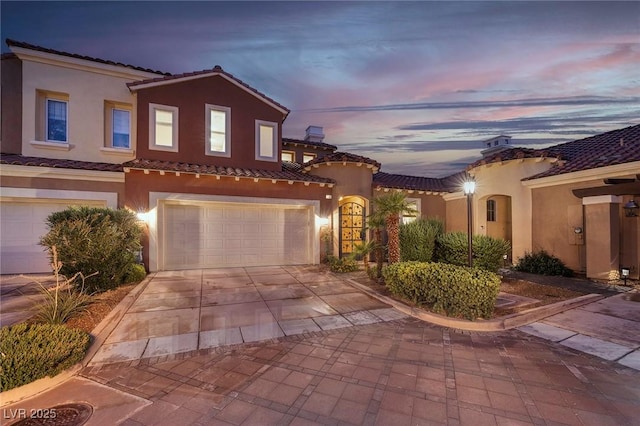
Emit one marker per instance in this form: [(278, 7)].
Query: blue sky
[(414, 85)]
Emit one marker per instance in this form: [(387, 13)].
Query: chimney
[(314, 134)]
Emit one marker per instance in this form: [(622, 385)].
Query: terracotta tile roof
[(217, 70), (607, 149), (290, 141), (342, 157), (19, 160), (14, 43), (418, 183), (288, 171), (516, 154)]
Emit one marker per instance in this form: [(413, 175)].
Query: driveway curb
[(498, 324)]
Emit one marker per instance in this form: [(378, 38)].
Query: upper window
[(288, 156), (163, 127), (307, 156), (491, 210), (56, 120), (117, 125), (266, 139), (218, 130)]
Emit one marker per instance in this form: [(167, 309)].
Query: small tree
[(91, 240), (375, 222), (391, 206), (364, 249)]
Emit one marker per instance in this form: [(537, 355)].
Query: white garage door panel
[(219, 234), (22, 226)]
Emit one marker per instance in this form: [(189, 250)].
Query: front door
[(352, 223)]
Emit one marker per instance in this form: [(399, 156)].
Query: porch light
[(142, 216), (469, 188), (631, 209), (322, 221)]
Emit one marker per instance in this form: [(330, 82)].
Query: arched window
[(491, 210)]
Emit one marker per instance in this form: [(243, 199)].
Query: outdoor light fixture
[(469, 188), (625, 274), (631, 209)]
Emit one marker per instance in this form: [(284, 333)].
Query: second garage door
[(210, 235)]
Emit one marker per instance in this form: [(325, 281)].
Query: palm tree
[(363, 249), (391, 206), (375, 222)]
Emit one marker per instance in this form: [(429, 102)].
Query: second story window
[(266, 140), (121, 128), (218, 130), (56, 120), (288, 156), (308, 156), (491, 210), (163, 127)]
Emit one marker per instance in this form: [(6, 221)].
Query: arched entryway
[(352, 213), (497, 217)]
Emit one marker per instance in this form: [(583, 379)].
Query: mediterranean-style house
[(200, 156)]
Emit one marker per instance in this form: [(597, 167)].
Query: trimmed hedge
[(418, 239), (29, 352), (456, 291), (93, 240), (135, 273), (488, 252), (542, 263), (341, 265)]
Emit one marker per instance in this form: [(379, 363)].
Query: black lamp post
[(469, 188)]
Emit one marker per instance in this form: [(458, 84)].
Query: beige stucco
[(87, 88)]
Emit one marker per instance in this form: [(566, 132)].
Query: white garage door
[(209, 235), (22, 225)]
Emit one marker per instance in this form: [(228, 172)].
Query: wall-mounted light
[(142, 216), (322, 221), (577, 230), (631, 209)]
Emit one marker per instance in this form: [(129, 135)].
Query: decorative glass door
[(352, 223)]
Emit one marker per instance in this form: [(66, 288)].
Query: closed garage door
[(23, 223), (208, 235)]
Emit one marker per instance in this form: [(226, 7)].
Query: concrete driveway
[(184, 311)]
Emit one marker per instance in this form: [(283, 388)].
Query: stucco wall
[(191, 97), (456, 219), (64, 185), (87, 91)]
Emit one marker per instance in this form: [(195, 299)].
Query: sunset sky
[(414, 85)]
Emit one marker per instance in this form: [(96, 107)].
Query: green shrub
[(93, 240), (418, 239), (135, 273), (542, 263), (344, 264), (488, 252), (29, 352), (453, 290)]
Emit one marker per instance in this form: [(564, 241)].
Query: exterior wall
[(630, 241), (88, 89), (505, 179), (190, 98), (11, 106), (501, 227), (456, 214), (602, 219), (65, 185)]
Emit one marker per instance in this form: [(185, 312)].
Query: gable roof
[(321, 145), (606, 149), (215, 71), (23, 45)]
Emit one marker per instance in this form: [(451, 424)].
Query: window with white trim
[(117, 118), (308, 156), (218, 130), (414, 204), (288, 156), (266, 140), (163, 127), (56, 120)]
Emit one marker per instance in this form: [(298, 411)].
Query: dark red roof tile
[(19, 160), (288, 171), (341, 157), (606, 149), (217, 70), (417, 183), (516, 154), (323, 145), (24, 45)]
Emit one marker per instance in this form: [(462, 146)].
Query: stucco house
[(201, 157)]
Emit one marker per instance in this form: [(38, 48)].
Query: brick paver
[(400, 372)]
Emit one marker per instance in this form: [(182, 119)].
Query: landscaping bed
[(100, 307)]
